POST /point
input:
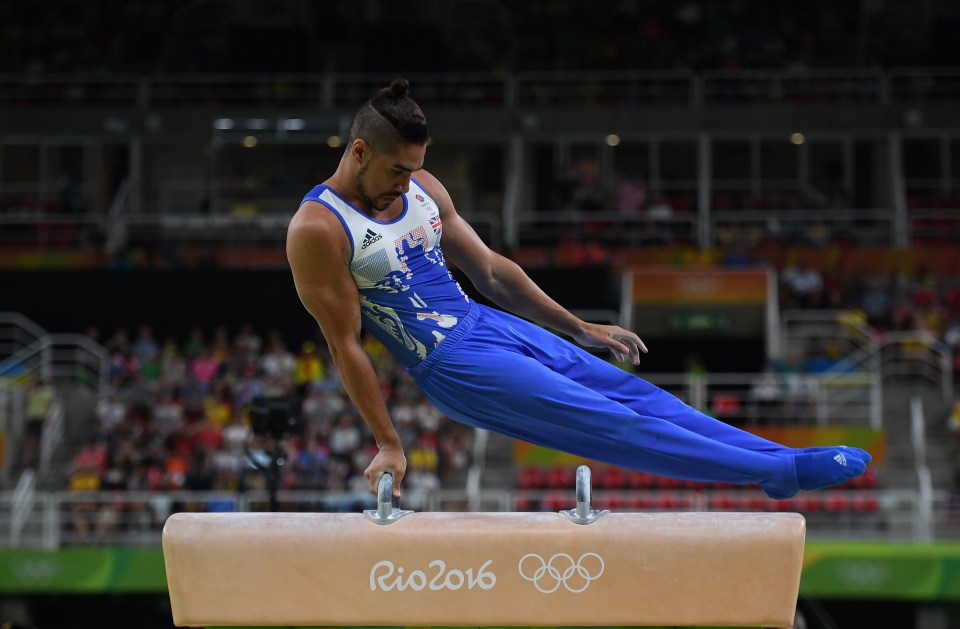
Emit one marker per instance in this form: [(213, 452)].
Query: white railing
[(789, 398), (915, 353), (859, 85), (860, 226), (16, 332), (481, 438), (28, 353), (616, 228), (66, 357), (136, 518), (12, 420), (918, 430), (52, 434), (116, 223), (22, 501)]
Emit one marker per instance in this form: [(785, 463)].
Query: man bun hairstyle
[(390, 118)]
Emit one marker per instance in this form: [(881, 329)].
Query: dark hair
[(389, 118)]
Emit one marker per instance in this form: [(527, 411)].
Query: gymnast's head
[(387, 143), (390, 118)]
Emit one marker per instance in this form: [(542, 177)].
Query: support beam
[(482, 569)]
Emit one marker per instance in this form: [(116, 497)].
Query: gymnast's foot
[(819, 470), (849, 451)]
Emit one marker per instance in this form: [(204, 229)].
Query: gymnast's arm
[(505, 283), (319, 253)]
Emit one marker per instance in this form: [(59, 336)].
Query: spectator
[(803, 284), (204, 368), (309, 368), (279, 367), (345, 438), (109, 412), (247, 345), (145, 348), (39, 398), (766, 395)]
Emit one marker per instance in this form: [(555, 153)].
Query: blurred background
[(767, 192)]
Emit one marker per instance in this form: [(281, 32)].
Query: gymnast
[(364, 249)]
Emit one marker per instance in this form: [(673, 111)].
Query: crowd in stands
[(177, 418), (545, 35), (898, 302)]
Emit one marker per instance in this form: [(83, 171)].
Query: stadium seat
[(639, 480), (560, 477), (721, 501), (611, 477), (530, 477), (557, 500), (867, 480), (837, 501), (807, 503), (865, 503)]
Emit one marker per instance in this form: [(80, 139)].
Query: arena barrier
[(394, 568)]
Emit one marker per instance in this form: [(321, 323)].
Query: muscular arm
[(318, 252), (505, 283)]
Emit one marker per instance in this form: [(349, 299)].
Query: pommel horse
[(389, 567)]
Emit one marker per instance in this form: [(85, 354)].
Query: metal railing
[(857, 226), (847, 398), (72, 358), (918, 431), (52, 434), (16, 332), (22, 501), (29, 353), (917, 354), (136, 518), (614, 228), (914, 353), (525, 89)]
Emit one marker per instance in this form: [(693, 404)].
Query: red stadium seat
[(665, 482), (610, 500), (807, 503), (531, 477), (560, 477), (721, 501), (867, 480), (558, 500), (524, 503), (752, 500), (611, 477), (781, 505), (865, 503), (837, 500), (639, 480)]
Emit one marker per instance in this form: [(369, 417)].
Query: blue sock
[(859, 453), (817, 470)]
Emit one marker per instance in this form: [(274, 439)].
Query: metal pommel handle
[(583, 514), (385, 512)]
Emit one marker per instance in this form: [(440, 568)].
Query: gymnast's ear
[(360, 150)]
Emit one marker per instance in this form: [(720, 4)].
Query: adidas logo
[(842, 460), (369, 238)]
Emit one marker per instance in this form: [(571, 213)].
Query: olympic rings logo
[(561, 569)]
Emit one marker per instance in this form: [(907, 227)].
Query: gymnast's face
[(382, 176)]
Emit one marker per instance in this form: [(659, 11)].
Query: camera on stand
[(274, 419)]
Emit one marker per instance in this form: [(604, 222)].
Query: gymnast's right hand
[(389, 459)]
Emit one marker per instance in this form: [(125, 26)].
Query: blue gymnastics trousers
[(501, 373)]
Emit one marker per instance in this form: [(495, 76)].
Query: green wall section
[(900, 571), (849, 570), (82, 571)]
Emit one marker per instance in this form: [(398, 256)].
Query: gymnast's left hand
[(391, 459), (623, 343)]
